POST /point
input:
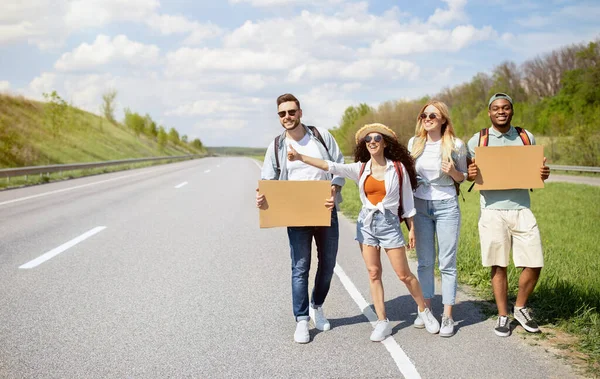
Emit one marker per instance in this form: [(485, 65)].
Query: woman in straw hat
[(440, 161), (378, 225)]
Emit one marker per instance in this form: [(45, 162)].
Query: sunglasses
[(291, 112), (431, 116), (376, 138)]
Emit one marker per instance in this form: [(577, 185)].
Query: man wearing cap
[(506, 222), (318, 143)]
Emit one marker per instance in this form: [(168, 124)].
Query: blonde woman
[(385, 174), (440, 162)]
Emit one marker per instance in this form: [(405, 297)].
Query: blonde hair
[(447, 132)]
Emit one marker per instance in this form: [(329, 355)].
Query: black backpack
[(313, 129)]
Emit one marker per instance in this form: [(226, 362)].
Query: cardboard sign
[(509, 167), (295, 203)]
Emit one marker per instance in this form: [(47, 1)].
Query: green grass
[(568, 293), (27, 139)]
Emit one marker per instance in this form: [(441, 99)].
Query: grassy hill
[(35, 133)]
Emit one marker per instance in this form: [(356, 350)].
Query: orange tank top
[(374, 189)]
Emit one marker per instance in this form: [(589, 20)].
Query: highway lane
[(183, 283)]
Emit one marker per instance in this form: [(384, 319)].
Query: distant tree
[(108, 105), (150, 128), (134, 121), (508, 78), (162, 137), (197, 144), (174, 136), (55, 112), (184, 138)]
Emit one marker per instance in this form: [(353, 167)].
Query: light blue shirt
[(502, 199)]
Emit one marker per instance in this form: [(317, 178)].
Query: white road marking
[(206, 171), (258, 164), (181, 185), (76, 187), (407, 368), (54, 252)]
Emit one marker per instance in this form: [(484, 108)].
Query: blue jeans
[(326, 239), (441, 219)]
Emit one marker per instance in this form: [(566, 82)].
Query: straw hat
[(374, 128)]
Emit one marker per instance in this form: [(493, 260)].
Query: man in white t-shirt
[(319, 143)]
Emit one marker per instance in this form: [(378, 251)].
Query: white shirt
[(392, 195), (429, 166), (299, 170)]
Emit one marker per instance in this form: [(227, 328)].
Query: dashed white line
[(407, 368), (181, 185), (206, 171), (54, 252)]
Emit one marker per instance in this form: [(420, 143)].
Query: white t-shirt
[(299, 170), (429, 166)]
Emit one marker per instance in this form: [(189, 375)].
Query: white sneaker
[(381, 331), (419, 324), (447, 328), (301, 335), (431, 324), (321, 321)]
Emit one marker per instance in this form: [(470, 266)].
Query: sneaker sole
[(324, 328), (500, 334), (529, 329), (446, 335), (419, 326)]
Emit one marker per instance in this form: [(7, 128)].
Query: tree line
[(556, 96)]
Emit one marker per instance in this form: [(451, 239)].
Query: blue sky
[(213, 69)]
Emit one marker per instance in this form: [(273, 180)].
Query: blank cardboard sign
[(295, 203), (509, 167)]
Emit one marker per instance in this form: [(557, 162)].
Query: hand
[(411, 238), (545, 170), (448, 168), (472, 171), (293, 155), (260, 200), (330, 203)]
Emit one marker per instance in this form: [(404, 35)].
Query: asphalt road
[(138, 275)]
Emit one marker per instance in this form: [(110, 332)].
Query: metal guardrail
[(349, 158), (32, 170), (574, 168)]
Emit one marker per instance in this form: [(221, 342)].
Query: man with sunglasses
[(506, 222), (319, 143)]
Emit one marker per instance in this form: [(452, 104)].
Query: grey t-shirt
[(502, 199)]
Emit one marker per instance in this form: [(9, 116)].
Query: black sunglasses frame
[(431, 116), (291, 112), (376, 138)]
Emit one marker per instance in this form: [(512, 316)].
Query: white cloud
[(94, 13), (104, 51), (357, 70), (454, 13), (175, 24), (228, 124), (45, 83), (278, 3), (215, 104), (192, 62), (4, 85), (411, 42)]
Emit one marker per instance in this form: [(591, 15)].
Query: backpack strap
[(484, 140), (276, 149), (523, 135), (362, 169), (313, 129), (398, 167)]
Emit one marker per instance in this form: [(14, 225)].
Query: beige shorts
[(499, 230)]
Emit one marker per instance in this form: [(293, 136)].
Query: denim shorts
[(384, 230)]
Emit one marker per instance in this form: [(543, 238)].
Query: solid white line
[(206, 171), (259, 166), (76, 187), (181, 185), (407, 368), (54, 252)]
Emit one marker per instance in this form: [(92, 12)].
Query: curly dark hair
[(394, 151)]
